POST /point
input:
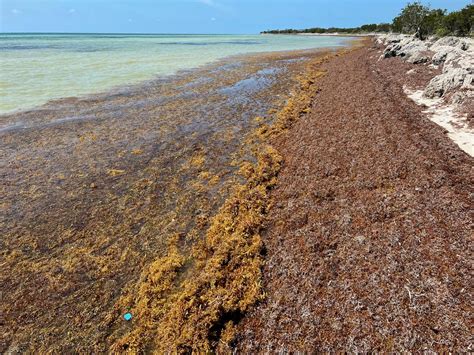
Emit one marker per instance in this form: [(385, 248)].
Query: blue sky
[(196, 16)]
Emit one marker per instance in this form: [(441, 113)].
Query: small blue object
[(127, 316)]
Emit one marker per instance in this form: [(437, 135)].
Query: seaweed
[(191, 299)]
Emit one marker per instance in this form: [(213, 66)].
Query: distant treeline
[(415, 18)]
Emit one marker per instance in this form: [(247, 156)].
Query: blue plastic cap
[(127, 316)]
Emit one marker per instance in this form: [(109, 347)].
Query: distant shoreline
[(335, 34)]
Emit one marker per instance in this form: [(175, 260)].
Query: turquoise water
[(35, 68)]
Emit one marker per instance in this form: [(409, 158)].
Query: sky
[(197, 16)]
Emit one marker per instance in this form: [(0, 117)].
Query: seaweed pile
[(190, 300), (368, 245), (108, 202)]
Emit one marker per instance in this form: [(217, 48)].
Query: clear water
[(35, 68)]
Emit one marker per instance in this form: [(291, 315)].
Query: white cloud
[(16, 11)]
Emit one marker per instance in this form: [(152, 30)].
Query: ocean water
[(36, 68)]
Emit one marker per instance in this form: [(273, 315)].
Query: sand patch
[(446, 116)]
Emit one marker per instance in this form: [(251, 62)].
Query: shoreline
[(335, 34), (301, 201), (125, 87), (363, 35), (151, 165), (227, 278), (147, 67)]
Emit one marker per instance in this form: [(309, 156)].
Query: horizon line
[(131, 33)]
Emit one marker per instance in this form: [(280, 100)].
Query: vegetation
[(422, 21), (411, 19), (459, 23), (383, 27), (415, 18)]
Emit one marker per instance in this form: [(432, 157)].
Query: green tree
[(433, 21), (411, 19), (369, 28), (414, 18), (384, 27), (460, 23)]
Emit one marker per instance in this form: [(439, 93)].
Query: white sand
[(445, 116)]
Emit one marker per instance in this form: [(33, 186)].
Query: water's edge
[(33, 77)]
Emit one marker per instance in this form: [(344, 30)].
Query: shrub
[(415, 18)]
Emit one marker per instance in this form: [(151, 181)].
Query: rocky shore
[(454, 56), (449, 95)]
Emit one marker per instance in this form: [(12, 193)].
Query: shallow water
[(36, 68)]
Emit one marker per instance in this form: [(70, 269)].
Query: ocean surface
[(35, 68)]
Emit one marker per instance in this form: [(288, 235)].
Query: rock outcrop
[(455, 55), (448, 82), (412, 50)]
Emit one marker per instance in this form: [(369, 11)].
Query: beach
[(265, 202), (367, 245)]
